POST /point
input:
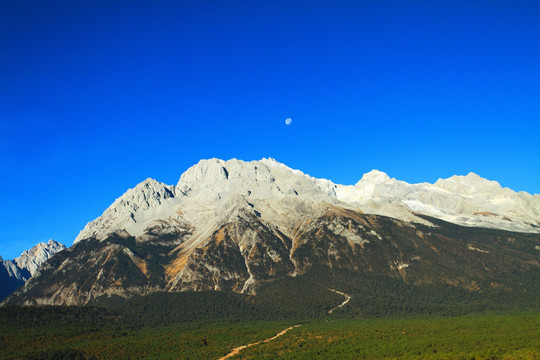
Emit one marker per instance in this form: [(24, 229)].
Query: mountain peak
[(374, 177), (468, 184), (472, 175), (207, 170), (32, 259), (212, 180), (209, 184), (148, 194), (272, 162)]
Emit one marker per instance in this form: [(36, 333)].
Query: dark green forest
[(390, 317)]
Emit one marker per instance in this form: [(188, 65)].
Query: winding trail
[(240, 348), (347, 298)]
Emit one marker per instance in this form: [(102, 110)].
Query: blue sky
[(96, 96)]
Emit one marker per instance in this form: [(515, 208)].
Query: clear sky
[(96, 96)]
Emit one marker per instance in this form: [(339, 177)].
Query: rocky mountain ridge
[(14, 273), (465, 200), (238, 226), (30, 260)]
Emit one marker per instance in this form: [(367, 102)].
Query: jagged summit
[(32, 259), (204, 188), (127, 210), (264, 178), (273, 189), (239, 225), (217, 178), (14, 273)]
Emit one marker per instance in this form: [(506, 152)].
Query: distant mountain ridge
[(14, 273), (242, 227)]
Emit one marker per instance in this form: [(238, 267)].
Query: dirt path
[(240, 348), (347, 298)]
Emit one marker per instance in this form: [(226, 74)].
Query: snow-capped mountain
[(239, 226), (267, 184), (465, 200), (14, 273)]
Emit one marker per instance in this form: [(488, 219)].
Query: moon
[(288, 121)]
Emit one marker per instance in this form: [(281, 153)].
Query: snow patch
[(470, 247), (401, 265)]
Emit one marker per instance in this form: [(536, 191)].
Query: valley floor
[(495, 336)]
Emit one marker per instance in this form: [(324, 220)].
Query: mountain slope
[(10, 277), (340, 248), (246, 227), (14, 273)]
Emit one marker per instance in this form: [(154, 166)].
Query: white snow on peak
[(468, 185), (209, 190), (374, 185)]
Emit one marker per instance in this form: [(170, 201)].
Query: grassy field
[(470, 337), (495, 336)]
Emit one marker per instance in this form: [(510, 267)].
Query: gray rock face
[(248, 252), (32, 259), (207, 187), (130, 208), (235, 226), (10, 278), (14, 273)]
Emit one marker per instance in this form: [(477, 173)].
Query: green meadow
[(98, 334)]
